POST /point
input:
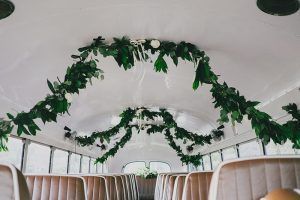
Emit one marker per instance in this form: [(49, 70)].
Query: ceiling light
[(278, 7), (6, 8)]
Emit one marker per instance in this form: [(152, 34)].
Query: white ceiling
[(257, 53)]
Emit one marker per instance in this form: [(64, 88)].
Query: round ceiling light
[(278, 7), (6, 8)]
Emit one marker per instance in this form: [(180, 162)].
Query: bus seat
[(146, 187), (111, 186), (253, 178), (196, 186), (56, 187), (135, 187), (96, 188), (12, 183), (170, 187), (120, 187), (178, 187)]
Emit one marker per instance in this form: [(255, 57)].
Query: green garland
[(125, 51), (169, 124)]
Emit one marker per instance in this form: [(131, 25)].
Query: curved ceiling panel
[(255, 52)]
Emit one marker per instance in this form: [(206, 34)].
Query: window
[(249, 149), (93, 166), (74, 163), (191, 168), (229, 153), (206, 162), (200, 167), (160, 167), (271, 148), (286, 148), (14, 153), (133, 166), (85, 165), (99, 168), (38, 158), (60, 161), (215, 159)]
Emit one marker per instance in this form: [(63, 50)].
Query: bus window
[(133, 167), (229, 153), (160, 167), (249, 149), (74, 163), (60, 161), (14, 153), (206, 162), (286, 148), (93, 166), (85, 164), (38, 158), (99, 168), (215, 159)]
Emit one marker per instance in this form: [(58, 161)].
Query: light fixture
[(278, 7), (6, 8)]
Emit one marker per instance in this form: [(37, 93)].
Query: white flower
[(155, 44), (69, 97)]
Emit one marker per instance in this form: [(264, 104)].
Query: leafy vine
[(126, 52), (168, 126)]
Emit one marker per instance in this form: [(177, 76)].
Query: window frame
[(160, 162)]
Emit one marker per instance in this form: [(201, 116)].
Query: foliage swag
[(169, 125), (126, 52)]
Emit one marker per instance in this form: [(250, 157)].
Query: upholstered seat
[(135, 186), (170, 187), (178, 187), (111, 186), (159, 186), (96, 188), (253, 178), (146, 187), (196, 186), (129, 185), (120, 187), (125, 187), (44, 187), (12, 184)]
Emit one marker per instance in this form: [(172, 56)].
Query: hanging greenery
[(146, 173), (169, 128), (126, 52)]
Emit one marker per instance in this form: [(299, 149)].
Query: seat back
[(125, 187), (96, 188), (146, 187), (196, 186), (111, 186), (170, 187), (178, 187), (158, 186), (164, 186), (12, 183), (120, 187), (255, 177), (130, 194), (56, 187), (135, 187)]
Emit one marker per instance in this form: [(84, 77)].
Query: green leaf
[(75, 56), (84, 54), (160, 64), (10, 116), (51, 86)]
